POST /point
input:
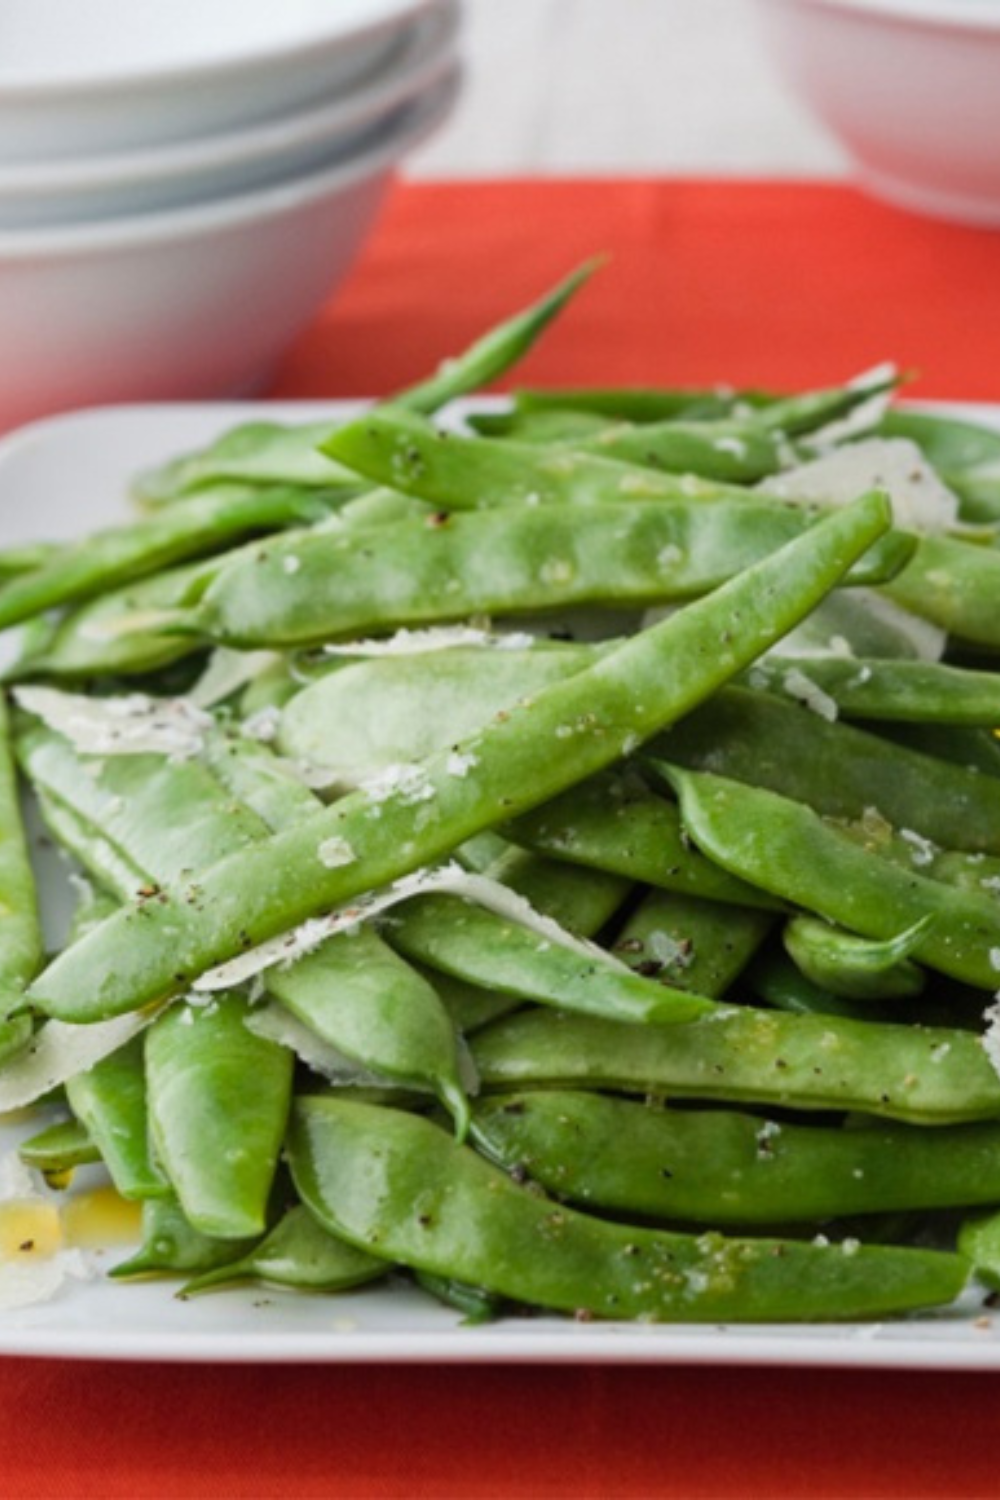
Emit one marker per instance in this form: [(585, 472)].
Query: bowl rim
[(427, 51), (336, 34), (943, 15), (166, 226)]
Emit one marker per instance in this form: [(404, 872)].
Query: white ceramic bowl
[(193, 303), (910, 87), (85, 76), (38, 195)]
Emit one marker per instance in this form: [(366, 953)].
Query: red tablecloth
[(706, 281), (759, 283)]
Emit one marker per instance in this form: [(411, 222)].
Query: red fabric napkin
[(775, 284)]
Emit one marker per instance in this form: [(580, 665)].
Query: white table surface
[(612, 87)]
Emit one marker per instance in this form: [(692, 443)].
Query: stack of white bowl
[(184, 182)]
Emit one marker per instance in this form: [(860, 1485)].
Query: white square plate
[(67, 475)]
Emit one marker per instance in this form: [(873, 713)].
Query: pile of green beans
[(523, 855)]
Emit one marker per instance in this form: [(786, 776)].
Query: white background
[(623, 86)]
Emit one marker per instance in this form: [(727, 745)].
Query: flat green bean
[(363, 999), (20, 927), (836, 768), (59, 1149), (372, 714), (124, 553), (445, 932), (171, 1244), (110, 1102), (616, 823), (303, 590), (955, 585), (857, 968), (892, 691), (722, 1166), (472, 473), (218, 1106), (979, 1241), (395, 1185), (793, 853), (165, 816), (297, 1253), (728, 449), (924, 1075)]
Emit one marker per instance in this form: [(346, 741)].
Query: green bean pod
[(555, 424), (117, 633), (563, 735), (59, 1149), (476, 1305), (795, 415), (955, 585), (166, 816), (110, 1102), (857, 968), (395, 1185), (582, 901), (615, 823), (924, 1075), (117, 556), (257, 454), (908, 692), (793, 853), (721, 1166), (363, 999), (25, 558), (259, 780), (635, 403), (774, 979), (730, 450), (393, 447), (102, 860), (296, 1253), (690, 943), (171, 1245), (836, 769), (312, 588), (218, 1108), (965, 745), (20, 925), (979, 1241), (445, 932), (494, 352), (371, 714)]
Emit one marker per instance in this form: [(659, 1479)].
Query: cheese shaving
[(991, 1036), (276, 1023), (228, 671), (861, 418), (921, 501), (802, 688), (416, 642), (134, 724), (451, 878), (263, 725), (59, 1051)]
